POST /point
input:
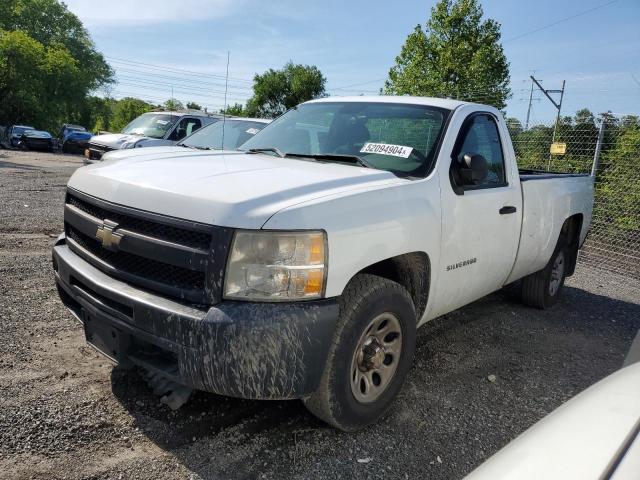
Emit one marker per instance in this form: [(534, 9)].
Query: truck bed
[(527, 174), (546, 203)]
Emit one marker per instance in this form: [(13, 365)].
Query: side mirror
[(473, 169)]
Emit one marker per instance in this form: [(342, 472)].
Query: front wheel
[(542, 289), (372, 352)]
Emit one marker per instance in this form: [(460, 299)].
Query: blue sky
[(355, 42)]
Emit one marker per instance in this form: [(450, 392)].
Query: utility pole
[(526, 124), (557, 105)]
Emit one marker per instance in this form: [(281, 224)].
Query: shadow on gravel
[(17, 166), (540, 360)]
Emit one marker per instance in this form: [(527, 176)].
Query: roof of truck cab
[(447, 103), (190, 113)]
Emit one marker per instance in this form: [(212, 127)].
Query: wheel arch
[(412, 271), (570, 239)]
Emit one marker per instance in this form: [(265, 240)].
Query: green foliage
[(48, 64), (276, 91), (98, 113), (35, 80), (193, 106), (236, 110), (458, 55), (126, 110), (616, 216), (618, 182), (173, 104)]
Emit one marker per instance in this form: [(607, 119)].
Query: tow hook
[(171, 393)]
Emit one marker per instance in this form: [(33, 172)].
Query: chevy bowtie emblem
[(107, 235)]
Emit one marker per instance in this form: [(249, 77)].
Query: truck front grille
[(181, 278), (177, 258), (195, 239)]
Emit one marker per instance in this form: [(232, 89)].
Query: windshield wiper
[(335, 157), (194, 146), (275, 150)]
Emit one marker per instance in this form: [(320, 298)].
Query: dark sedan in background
[(35, 140), (13, 133)]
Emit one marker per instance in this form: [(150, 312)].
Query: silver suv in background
[(151, 129)]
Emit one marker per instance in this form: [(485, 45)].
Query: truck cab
[(301, 265)]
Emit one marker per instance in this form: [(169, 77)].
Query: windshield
[(236, 132), (20, 130), (389, 136), (154, 125)]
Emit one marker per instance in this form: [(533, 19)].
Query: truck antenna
[(224, 112)]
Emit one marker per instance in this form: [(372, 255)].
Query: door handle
[(507, 209)]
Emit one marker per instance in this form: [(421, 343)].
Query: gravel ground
[(65, 412)]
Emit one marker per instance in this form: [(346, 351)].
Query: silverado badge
[(107, 235)]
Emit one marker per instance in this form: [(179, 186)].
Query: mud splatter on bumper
[(240, 349)]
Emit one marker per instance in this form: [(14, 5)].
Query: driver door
[(480, 221)]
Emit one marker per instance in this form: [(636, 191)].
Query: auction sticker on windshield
[(252, 131), (386, 149)]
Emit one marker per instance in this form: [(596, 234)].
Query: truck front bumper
[(239, 349)]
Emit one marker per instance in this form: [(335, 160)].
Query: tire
[(356, 355), (543, 288)]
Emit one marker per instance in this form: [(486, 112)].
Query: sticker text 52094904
[(386, 149)]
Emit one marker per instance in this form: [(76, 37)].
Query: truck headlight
[(276, 266)]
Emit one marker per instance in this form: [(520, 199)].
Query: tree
[(236, 110), (458, 55), (126, 110), (51, 23), (515, 126), (584, 117), (193, 106), (276, 91), (35, 81), (48, 64), (173, 104)]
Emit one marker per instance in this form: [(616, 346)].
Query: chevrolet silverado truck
[(300, 266)]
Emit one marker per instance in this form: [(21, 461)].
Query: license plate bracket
[(104, 337)]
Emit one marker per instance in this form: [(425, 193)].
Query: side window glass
[(184, 128), (192, 125), (483, 138)]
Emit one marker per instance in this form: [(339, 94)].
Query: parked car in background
[(236, 132), (595, 435), (150, 129), (226, 135), (76, 142), (36, 140), (13, 134)]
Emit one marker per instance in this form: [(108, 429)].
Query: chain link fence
[(613, 144)]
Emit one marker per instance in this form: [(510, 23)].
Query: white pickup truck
[(150, 129), (301, 266)]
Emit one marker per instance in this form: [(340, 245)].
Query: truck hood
[(225, 188), (115, 140)]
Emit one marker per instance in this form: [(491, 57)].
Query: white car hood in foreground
[(581, 440), (231, 189)]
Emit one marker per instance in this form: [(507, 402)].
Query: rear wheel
[(542, 288), (371, 354)]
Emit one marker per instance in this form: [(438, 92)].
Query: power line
[(571, 17), (176, 70)]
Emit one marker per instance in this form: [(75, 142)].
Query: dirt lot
[(65, 412)]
